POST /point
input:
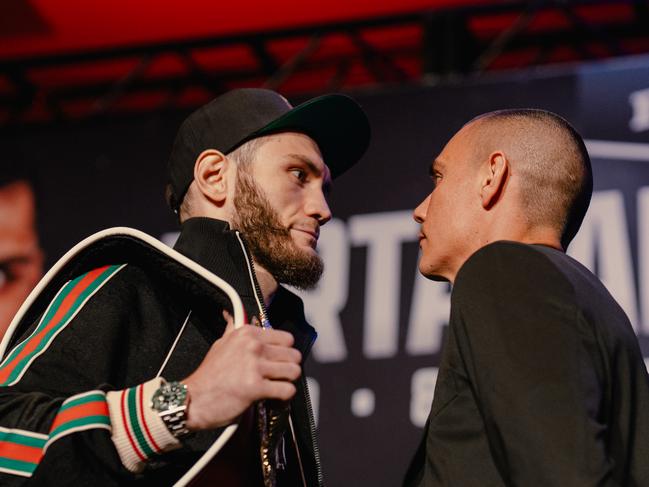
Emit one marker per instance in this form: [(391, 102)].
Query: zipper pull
[(280, 454), (261, 324)]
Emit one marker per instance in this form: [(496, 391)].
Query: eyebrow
[(6, 261), (326, 186), (434, 166)]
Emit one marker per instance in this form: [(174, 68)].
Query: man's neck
[(539, 236), (514, 227), (542, 236), (267, 283)]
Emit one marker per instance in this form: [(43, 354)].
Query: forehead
[(16, 210), (457, 150), (16, 197), (287, 141), (286, 146)]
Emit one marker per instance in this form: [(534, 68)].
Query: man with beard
[(133, 370), (541, 380)]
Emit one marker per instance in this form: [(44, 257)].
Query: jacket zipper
[(266, 324), (263, 314), (309, 408)]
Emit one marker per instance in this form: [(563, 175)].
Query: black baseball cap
[(335, 122)]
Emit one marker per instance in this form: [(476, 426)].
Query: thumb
[(229, 328)]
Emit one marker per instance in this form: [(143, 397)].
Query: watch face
[(170, 395)]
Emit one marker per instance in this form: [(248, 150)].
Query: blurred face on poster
[(21, 258)]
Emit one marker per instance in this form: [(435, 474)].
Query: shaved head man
[(525, 195), (541, 380)]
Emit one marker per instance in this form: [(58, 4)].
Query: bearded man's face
[(281, 222)]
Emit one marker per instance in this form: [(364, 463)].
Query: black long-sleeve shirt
[(541, 381)]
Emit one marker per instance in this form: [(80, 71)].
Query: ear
[(495, 180), (210, 173)]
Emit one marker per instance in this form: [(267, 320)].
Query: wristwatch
[(170, 402)]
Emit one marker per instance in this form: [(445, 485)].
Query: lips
[(315, 234)]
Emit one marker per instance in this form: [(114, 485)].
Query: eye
[(436, 177), (300, 174), (6, 276)]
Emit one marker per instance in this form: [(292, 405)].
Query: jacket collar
[(213, 245)]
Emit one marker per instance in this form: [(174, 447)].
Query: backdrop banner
[(381, 325)]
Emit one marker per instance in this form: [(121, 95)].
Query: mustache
[(278, 229)]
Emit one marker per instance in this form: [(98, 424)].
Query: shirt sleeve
[(535, 367)]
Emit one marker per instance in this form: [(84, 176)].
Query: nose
[(419, 214), (317, 207)]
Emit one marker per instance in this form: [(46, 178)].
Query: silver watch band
[(170, 402), (176, 421)]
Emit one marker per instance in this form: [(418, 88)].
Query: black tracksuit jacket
[(118, 336)]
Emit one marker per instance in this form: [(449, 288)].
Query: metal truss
[(394, 50)]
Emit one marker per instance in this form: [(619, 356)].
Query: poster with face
[(21, 256)]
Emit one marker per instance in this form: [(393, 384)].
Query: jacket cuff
[(138, 432)]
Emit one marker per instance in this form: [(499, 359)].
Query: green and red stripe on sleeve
[(78, 413), (64, 307), (21, 451), (136, 429)]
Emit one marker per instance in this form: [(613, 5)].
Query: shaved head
[(550, 159)]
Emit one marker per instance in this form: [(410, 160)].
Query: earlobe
[(494, 183), (209, 174)]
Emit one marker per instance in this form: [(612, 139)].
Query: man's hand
[(241, 367)]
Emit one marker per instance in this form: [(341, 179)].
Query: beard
[(270, 242)]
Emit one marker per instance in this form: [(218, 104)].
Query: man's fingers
[(279, 370), (229, 327), (267, 336), (277, 337), (277, 389), (278, 353)]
